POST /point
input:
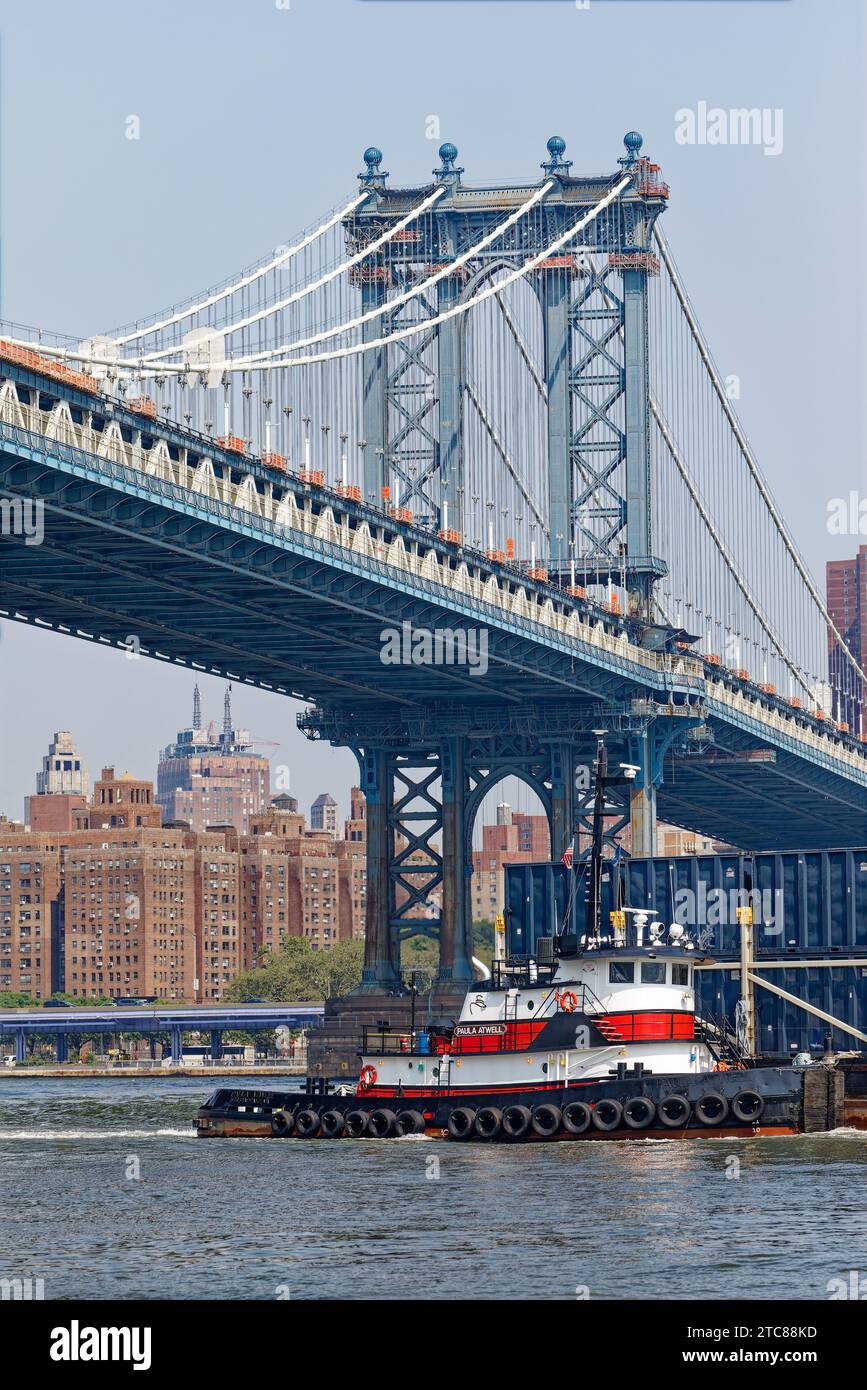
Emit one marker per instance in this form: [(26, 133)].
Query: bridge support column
[(562, 799), (177, 1045), (637, 426), (381, 946), (374, 409), (456, 927), (216, 1044), (642, 821), (20, 1045), (61, 1043), (451, 377), (647, 751), (555, 292)]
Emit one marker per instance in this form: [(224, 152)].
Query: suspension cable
[(245, 280), (746, 452)]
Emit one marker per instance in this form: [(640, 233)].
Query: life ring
[(367, 1079), (569, 1001)]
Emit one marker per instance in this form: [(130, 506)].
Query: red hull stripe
[(646, 1027), (492, 1089)]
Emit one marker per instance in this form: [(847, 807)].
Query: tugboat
[(592, 1037)]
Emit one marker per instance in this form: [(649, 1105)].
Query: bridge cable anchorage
[(336, 271), (747, 454), (458, 309), (388, 306), (718, 540), (192, 309)]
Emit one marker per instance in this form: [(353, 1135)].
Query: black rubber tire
[(381, 1124), (577, 1117), (332, 1124), (461, 1122), (546, 1120), (307, 1123), (356, 1123), (410, 1122), (645, 1116), (282, 1124), (715, 1104), (516, 1121), (489, 1122), (682, 1110), (748, 1107), (607, 1115)]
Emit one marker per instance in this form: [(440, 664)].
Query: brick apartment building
[(515, 839), (120, 905), (846, 586)]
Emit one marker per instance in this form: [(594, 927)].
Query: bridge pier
[(563, 800), (381, 948), (61, 1042), (456, 922), (177, 1044), (20, 1045), (216, 1044)]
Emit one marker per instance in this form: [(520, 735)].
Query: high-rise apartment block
[(61, 786), (121, 905), (846, 585), (208, 778)]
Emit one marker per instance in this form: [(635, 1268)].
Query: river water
[(105, 1192)]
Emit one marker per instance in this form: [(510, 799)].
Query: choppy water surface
[(105, 1192)]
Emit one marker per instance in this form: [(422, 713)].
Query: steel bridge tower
[(424, 782)]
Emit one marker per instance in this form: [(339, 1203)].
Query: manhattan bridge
[(468, 410)]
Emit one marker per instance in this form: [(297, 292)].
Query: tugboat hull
[(730, 1104)]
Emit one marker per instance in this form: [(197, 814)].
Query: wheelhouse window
[(680, 974), (621, 972), (653, 972)]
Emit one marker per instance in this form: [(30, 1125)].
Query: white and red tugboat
[(593, 1037)]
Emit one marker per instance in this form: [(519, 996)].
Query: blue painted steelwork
[(595, 351), (143, 1019), (780, 1026), (806, 906), (804, 901)]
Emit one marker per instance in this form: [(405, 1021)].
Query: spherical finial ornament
[(556, 147), (633, 141), (448, 153), (372, 157)]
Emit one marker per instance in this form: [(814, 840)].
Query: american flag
[(567, 855)]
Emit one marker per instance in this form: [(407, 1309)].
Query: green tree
[(296, 973)]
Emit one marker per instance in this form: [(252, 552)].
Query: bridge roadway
[(215, 561), (213, 1019)]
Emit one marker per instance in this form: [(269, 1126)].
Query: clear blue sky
[(253, 120)]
